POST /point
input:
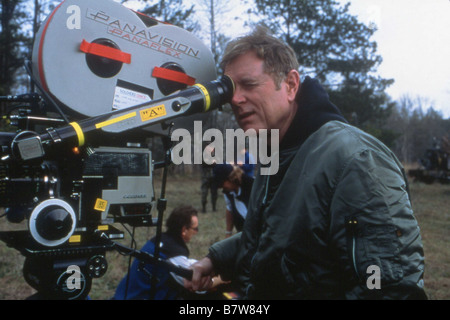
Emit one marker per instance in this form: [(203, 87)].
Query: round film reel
[(95, 57)]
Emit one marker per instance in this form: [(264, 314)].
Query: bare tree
[(417, 126)]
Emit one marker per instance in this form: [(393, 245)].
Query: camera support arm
[(196, 99)]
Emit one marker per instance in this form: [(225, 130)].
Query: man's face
[(257, 104), (190, 231)]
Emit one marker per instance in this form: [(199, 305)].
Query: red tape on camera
[(105, 51)]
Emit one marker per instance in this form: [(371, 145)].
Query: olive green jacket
[(335, 222)]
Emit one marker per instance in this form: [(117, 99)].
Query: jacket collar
[(314, 110)]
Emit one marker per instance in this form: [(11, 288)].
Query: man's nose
[(238, 97)]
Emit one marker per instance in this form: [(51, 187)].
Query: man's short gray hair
[(279, 58)]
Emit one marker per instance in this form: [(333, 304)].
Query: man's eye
[(249, 84)]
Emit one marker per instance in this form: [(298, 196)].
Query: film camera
[(108, 79)]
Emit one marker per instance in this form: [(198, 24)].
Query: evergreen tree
[(171, 11), (13, 42)]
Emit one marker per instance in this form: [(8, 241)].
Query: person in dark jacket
[(335, 221), (182, 225), (237, 187)]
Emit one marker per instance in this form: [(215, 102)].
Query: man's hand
[(203, 271)]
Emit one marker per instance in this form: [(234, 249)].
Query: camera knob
[(97, 266), (52, 222)]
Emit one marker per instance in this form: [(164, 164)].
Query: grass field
[(430, 202)]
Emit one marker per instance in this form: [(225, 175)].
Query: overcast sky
[(413, 38)]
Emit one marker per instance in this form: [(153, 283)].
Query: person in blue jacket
[(182, 225)]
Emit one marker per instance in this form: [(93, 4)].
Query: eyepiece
[(216, 93), (224, 89)]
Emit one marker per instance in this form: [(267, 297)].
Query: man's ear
[(293, 84)]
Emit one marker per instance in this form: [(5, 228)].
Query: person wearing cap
[(236, 187)]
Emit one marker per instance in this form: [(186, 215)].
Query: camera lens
[(53, 224)]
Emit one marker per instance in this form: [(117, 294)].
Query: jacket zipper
[(353, 223), (266, 192)]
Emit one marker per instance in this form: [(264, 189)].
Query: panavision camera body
[(109, 78)]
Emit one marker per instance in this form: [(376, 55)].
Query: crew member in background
[(248, 163), (182, 225), (208, 184), (237, 187)]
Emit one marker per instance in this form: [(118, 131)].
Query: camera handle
[(196, 99)]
